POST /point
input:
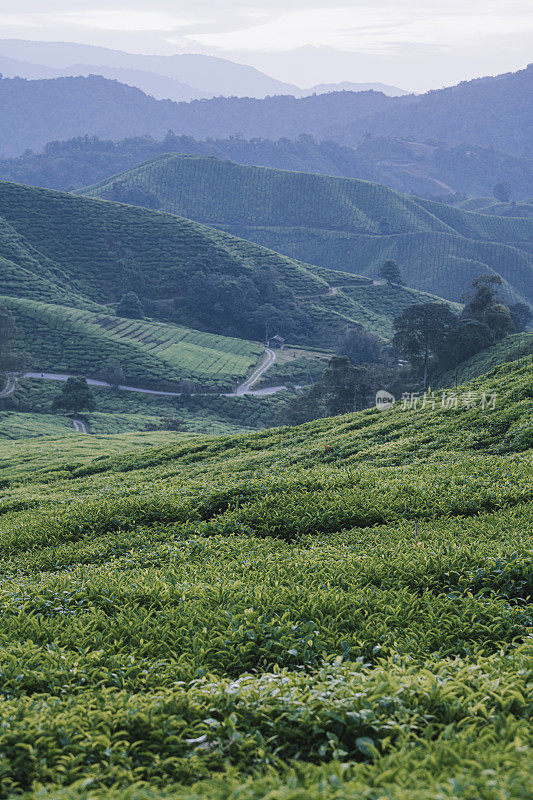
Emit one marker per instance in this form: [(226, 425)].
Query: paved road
[(79, 426), (244, 388)]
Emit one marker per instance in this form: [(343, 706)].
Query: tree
[(390, 272), (467, 338), (132, 195), (420, 333), (484, 295), (521, 315), (485, 305), (361, 346), (8, 332), (113, 373), (498, 318), (75, 396), (130, 306), (502, 192)]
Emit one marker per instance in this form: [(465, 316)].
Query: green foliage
[(422, 332), (390, 272), (339, 223), (248, 616), (151, 355), (511, 348), (75, 396), (130, 306), (470, 169)]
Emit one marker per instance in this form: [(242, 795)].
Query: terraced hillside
[(489, 205), (254, 616), (85, 253), (66, 339), (409, 167), (339, 223)]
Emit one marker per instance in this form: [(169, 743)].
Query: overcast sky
[(415, 44)]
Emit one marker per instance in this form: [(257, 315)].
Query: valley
[(266, 403)]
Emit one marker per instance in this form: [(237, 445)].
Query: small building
[(276, 341)]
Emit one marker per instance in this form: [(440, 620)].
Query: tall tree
[(12, 358), (465, 339), (130, 306), (8, 333), (421, 331), (502, 192), (113, 373), (361, 346), (484, 305), (75, 396), (390, 272), (521, 315)]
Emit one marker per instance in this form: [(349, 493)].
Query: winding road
[(242, 390), (245, 387)]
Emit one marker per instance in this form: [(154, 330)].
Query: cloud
[(385, 30)]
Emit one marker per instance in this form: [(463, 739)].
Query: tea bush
[(252, 616)]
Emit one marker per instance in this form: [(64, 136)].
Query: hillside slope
[(512, 348), (208, 74), (185, 272), (62, 108), (267, 621), (345, 224), (491, 112), (69, 340)]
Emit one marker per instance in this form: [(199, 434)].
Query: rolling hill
[(65, 262), (490, 112), (255, 616), (512, 348), (72, 340), (409, 167), (349, 225)]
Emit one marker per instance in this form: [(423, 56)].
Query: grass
[(339, 223), (248, 616), (99, 250)]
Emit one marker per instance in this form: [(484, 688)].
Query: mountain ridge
[(487, 112)]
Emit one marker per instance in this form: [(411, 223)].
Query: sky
[(415, 44)]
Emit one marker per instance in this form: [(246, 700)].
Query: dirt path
[(79, 426), (9, 388)]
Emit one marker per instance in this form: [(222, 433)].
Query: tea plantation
[(252, 616), (339, 223), (65, 339), (59, 249)]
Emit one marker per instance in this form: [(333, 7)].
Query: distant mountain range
[(178, 77), (491, 112), (348, 225)]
